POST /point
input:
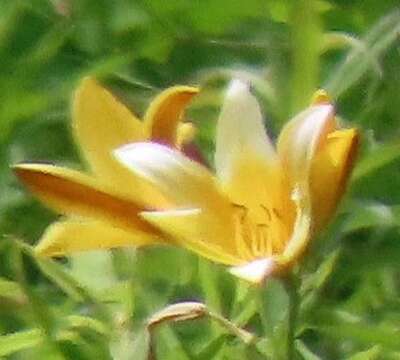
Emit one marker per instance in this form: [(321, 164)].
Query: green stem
[(293, 311), (306, 38), (247, 337)]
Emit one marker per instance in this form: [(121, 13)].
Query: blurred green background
[(94, 305)]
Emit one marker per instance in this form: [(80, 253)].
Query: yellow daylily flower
[(259, 211), (102, 206)]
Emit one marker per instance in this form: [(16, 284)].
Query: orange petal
[(298, 145), (165, 112), (330, 172), (73, 193)]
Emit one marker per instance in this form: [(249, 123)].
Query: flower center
[(258, 236)]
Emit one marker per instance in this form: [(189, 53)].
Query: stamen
[(263, 239), (267, 211), (277, 213), (240, 241), (255, 240)]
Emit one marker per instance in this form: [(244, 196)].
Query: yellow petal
[(298, 145), (240, 129), (302, 229), (330, 171), (199, 232), (245, 159), (185, 182), (190, 185), (186, 134), (165, 112), (301, 138), (100, 124), (73, 193), (73, 235)]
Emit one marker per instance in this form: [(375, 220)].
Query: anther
[(267, 211), (277, 213)]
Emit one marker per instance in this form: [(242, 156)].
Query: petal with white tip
[(245, 157), (240, 129), (183, 181), (256, 271)]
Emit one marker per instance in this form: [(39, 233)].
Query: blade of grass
[(359, 61), (12, 343)]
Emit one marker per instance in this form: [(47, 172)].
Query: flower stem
[(247, 337), (291, 285)]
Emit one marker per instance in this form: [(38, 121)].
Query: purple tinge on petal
[(193, 152)]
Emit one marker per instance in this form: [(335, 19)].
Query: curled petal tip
[(321, 97), (192, 89), (178, 312), (165, 113), (256, 271)]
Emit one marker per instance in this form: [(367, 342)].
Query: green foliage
[(95, 305)]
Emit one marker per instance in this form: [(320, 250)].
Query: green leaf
[(373, 353), (59, 276), (71, 286), (85, 264), (363, 334), (10, 289), (312, 285), (359, 61), (12, 343), (141, 349), (209, 282), (319, 277), (273, 305), (78, 321), (305, 51), (212, 349), (364, 216), (215, 17), (306, 353), (338, 40), (166, 341), (377, 158)]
